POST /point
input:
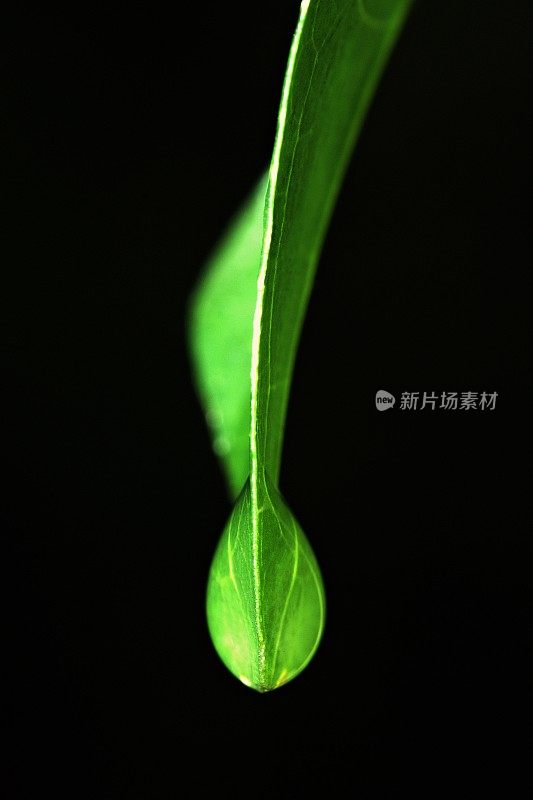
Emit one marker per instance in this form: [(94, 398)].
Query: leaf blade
[(267, 643), (265, 599), (338, 54), (220, 337)]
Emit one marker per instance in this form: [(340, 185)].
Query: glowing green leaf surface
[(265, 621), (221, 341), (265, 602)]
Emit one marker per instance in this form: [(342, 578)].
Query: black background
[(132, 136)]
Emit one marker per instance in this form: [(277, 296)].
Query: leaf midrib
[(256, 336)]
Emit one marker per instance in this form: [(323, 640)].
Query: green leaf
[(221, 337), (265, 613), (265, 601)]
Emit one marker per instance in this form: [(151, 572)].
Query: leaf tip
[(265, 613)]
